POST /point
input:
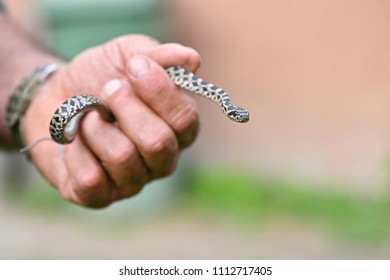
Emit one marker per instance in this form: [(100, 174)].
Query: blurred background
[(306, 178)]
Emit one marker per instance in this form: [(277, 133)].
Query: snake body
[(65, 121)]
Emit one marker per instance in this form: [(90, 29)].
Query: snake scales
[(65, 120)]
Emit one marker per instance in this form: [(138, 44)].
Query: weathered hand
[(154, 120)]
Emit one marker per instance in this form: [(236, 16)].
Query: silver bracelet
[(21, 98)]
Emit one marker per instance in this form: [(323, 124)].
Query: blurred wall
[(314, 75)]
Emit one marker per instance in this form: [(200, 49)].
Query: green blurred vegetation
[(79, 24), (250, 200)]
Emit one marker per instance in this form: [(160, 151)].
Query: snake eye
[(244, 115)]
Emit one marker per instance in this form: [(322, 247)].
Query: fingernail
[(138, 66), (111, 87)]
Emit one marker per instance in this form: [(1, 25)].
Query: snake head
[(239, 115)]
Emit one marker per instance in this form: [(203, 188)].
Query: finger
[(88, 180), (47, 156), (172, 54), (117, 154), (155, 88), (153, 138), (166, 55)]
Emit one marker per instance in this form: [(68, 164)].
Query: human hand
[(154, 120)]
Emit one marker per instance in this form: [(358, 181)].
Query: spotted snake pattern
[(65, 121)]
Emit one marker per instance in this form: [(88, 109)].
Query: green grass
[(245, 197), (41, 198)]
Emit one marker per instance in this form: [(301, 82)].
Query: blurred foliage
[(250, 199), (37, 197)]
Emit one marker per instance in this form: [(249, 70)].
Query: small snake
[(65, 121)]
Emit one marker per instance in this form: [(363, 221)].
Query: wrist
[(20, 100), (19, 56)]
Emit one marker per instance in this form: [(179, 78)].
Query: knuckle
[(161, 142), (121, 154), (155, 87), (185, 117), (88, 180), (81, 190)]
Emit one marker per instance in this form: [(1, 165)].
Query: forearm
[(19, 56)]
